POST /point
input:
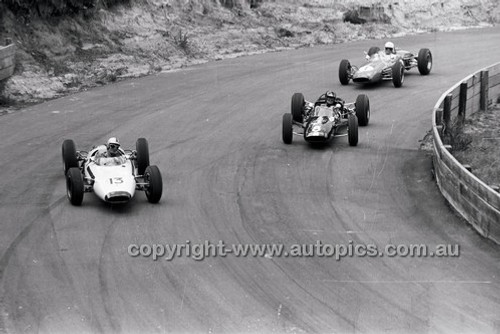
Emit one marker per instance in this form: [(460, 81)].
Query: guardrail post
[(462, 103), (483, 97), (439, 116), (447, 113)]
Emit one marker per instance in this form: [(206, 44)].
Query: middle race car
[(321, 123), (381, 66), (113, 179)]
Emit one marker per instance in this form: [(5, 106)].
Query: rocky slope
[(63, 53)]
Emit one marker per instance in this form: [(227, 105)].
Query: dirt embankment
[(60, 54)]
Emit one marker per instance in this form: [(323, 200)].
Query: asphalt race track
[(215, 133)]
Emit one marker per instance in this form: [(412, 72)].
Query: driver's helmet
[(389, 48), (330, 98), (113, 145)]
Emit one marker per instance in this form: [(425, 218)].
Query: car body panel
[(113, 179), (320, 121), (112, 175), (321, 125), (378, 67), (324, 122)]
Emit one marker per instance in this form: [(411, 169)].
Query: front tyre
[(69, 157), (398, 74), (424, 61), (142, 149), (154, 184), (287, 131), (298, 107), (352, 130), (363, 109), (344, 72), (74, 186)]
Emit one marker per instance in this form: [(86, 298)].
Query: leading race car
[(388, 65), (321, 121), (113, 179)]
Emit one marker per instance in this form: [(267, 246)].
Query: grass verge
[(482, 148)]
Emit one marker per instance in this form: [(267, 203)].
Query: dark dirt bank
[(64, 46)]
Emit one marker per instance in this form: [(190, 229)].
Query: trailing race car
[(324, 120), (114, 179), (388, 65)]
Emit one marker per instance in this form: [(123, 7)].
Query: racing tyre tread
[(363, 109), (69, 155), (344, 72), (74, 186), (424, 61), (154, 189), (142, 149), (298, 107), (398, 74), (352, 130), (287, 133)]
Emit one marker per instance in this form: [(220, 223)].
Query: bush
[(282, 32), (182, 41), (456, 137), (353, 17)]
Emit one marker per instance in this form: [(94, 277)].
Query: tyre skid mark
[(257, 289), (43, 217), (103, 285)]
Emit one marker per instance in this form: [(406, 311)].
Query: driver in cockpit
[(110, 154)]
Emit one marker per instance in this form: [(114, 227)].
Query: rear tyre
[(298, 107), (74, 186), (424, 61), (344, 72), (69, 155), (142, 149), (154, 187), (363, 109), (373, 50), (287, 129), (352, 130), (398, 74)]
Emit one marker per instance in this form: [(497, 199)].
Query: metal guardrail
[(7, 59), (476, 201)]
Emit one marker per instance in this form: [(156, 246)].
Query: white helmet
[(389, 46), (113, 141)]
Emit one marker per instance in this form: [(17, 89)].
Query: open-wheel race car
[(115, 178), (320, 121), (390, 64)]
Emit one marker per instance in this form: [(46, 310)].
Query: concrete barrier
[(477, 202), (7, 60)]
